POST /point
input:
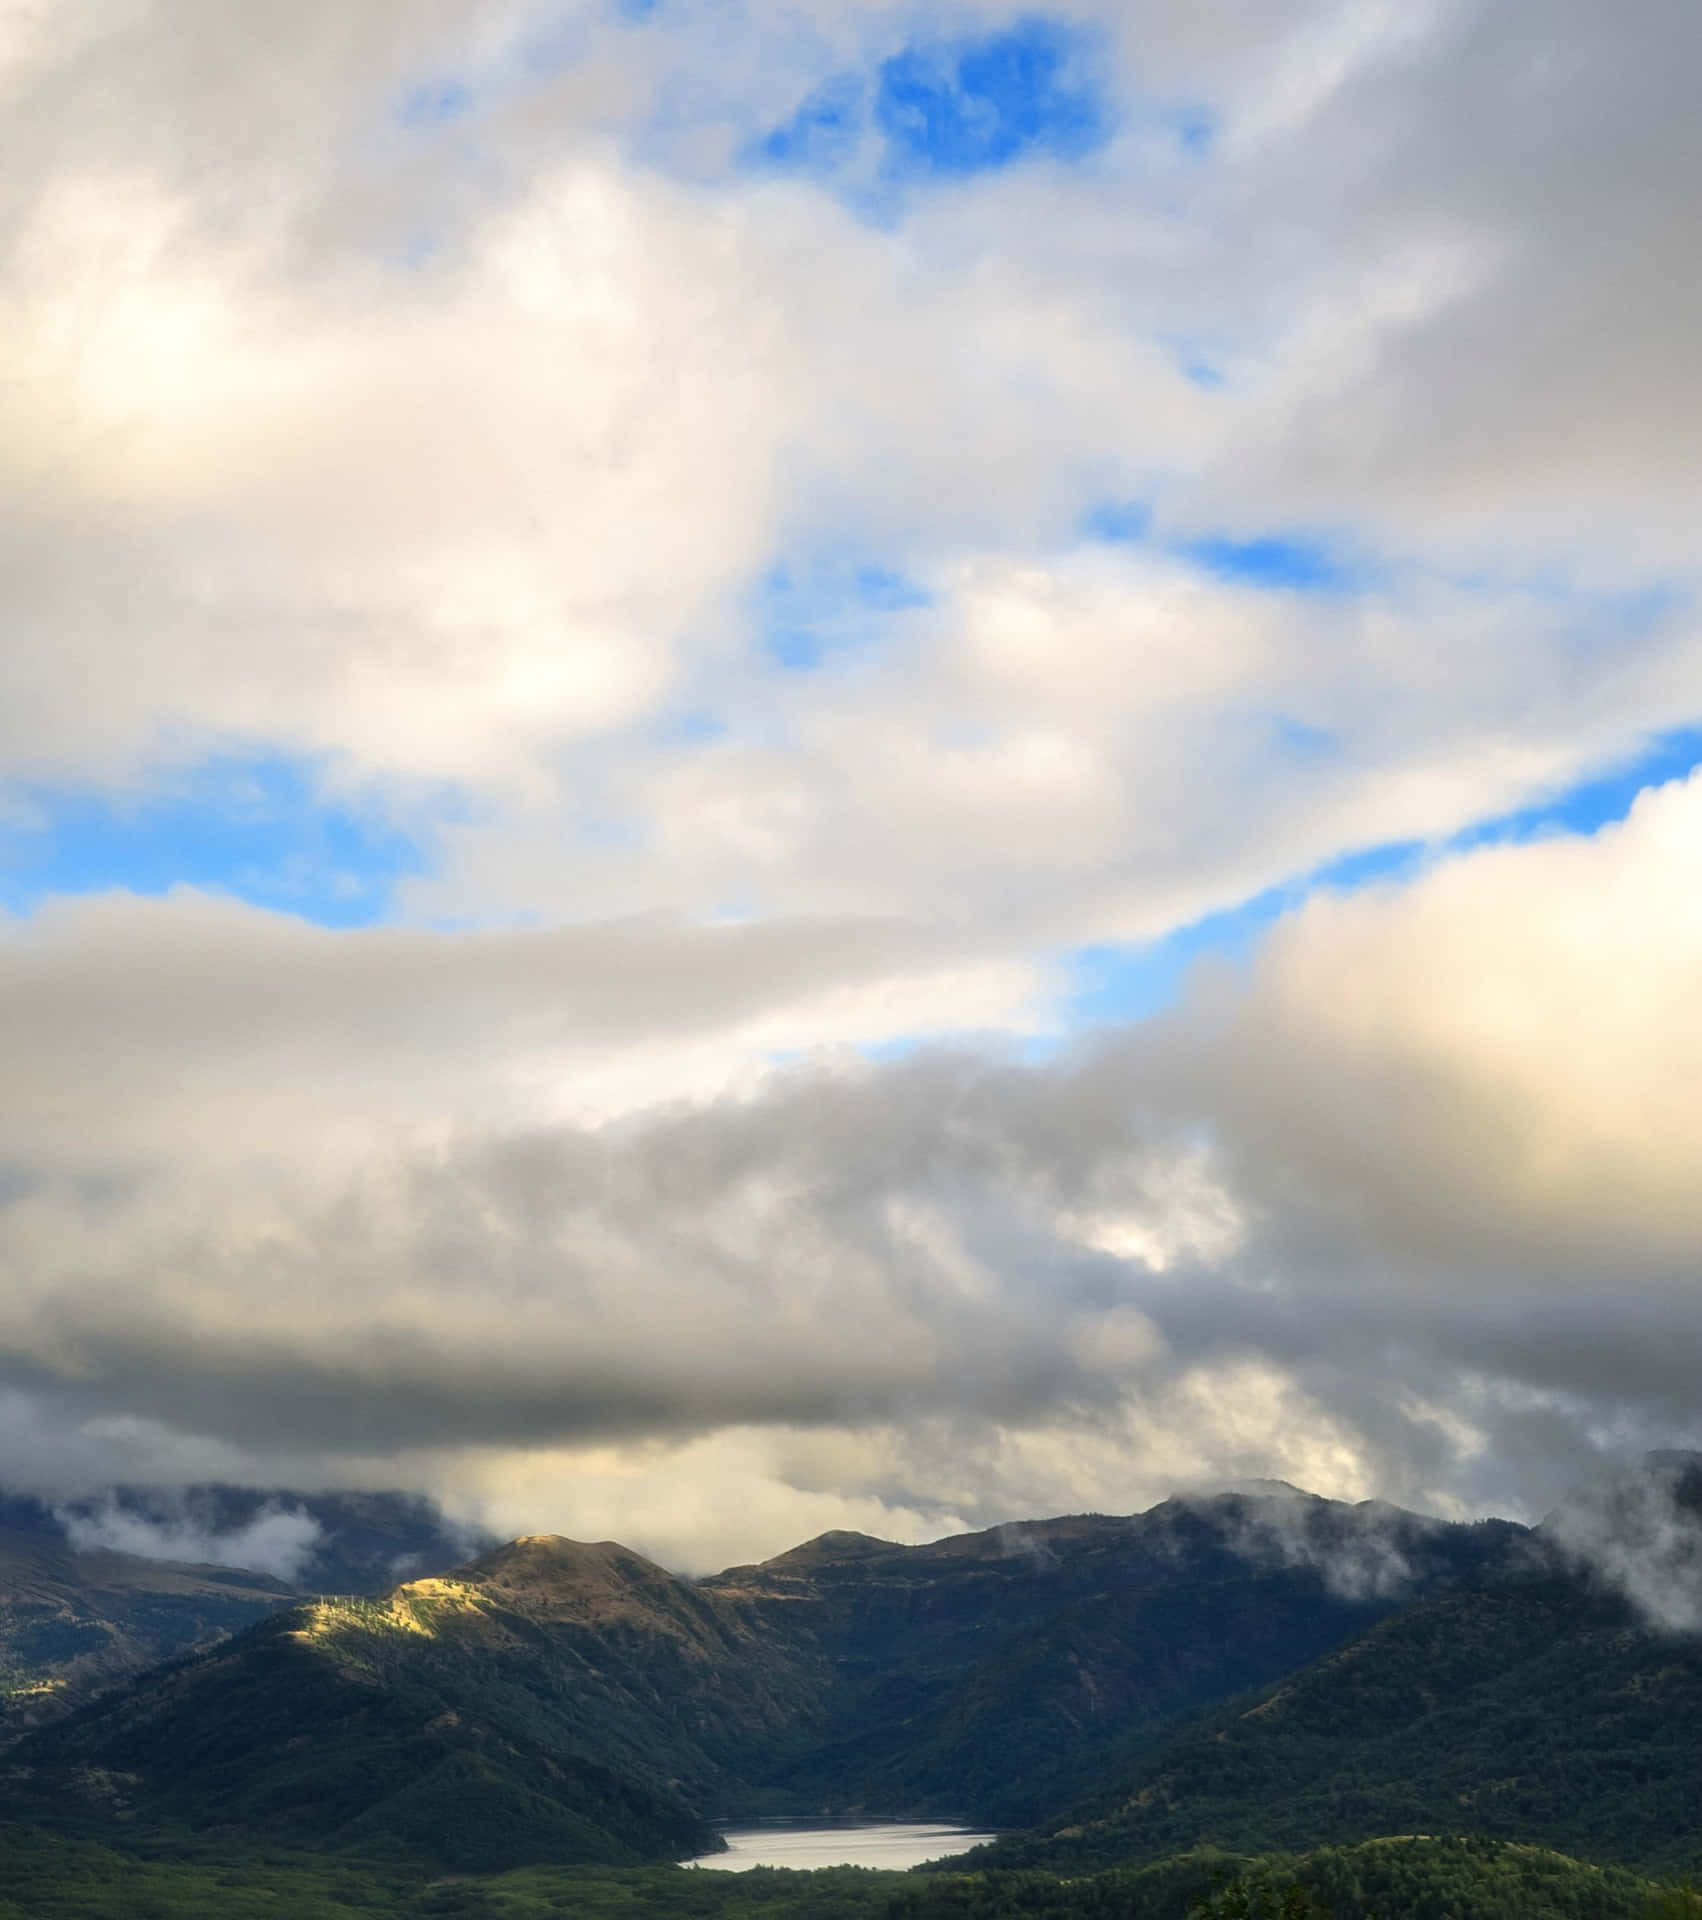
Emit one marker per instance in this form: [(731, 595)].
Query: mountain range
[(1256, 1669)]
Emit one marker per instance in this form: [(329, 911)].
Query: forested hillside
[(1252, 1672), (79, 1615), (553, 1700), (1545, 1710), (997, 1674), (47, 1877)]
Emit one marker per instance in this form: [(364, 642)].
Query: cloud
[(279, 1540), (1356, 1220), (1640, 1530), (1100, 745), (1491, 1065), (707, 1107), (445, 482), (1367, 1552), (1462, 372), (190, 1030)]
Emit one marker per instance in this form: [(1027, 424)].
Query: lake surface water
[(794, 1843)]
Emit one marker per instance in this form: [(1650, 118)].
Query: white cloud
[(1409, 1210), (447, 486), (453, 458), (279, 1540), (1638, 1532), (1499, 1060), (148, 1035)]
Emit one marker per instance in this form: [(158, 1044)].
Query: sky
[(769, 766)]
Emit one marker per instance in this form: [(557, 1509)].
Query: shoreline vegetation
[(53, 1876)]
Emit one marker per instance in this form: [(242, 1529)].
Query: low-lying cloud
[(279, 1539), (1365, 1553), (1641, 1532)]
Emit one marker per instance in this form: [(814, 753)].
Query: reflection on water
[(890, 1843)]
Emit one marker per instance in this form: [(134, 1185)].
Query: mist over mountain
[(1252, 1669), (1557, 1701), (986, 1674), (96, 1590), (1640, 1530), (334, 1542)]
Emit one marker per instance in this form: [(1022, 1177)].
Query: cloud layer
[(801, 522), (1407, 1208)]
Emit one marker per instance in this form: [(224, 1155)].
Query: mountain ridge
[(1128, 1686), (971, 1674)]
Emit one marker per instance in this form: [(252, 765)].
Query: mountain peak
[(833, 1548), (1246, 1490), (841, 1543), (1674, 1460), (554, 1557)]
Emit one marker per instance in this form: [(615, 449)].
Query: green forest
[(49, 1876), (1207, 1737)]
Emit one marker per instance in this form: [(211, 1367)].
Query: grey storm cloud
[(842, 1249), (1552, 157), (962, 1235), (1350, 1212)]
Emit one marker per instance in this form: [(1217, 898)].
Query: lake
[(849, 1843)]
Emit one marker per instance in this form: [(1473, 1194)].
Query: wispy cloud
[(278, 1540), (1640, 1530)]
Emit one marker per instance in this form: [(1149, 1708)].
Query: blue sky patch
[(1120, 983), (1300, 740), (1197, 131), (887, 592), (823, 135), (1597, 802), (816, 611), (951, 108), (690, 727), (978, 105), (258, 830), (1289, 562), (1116, 982), (1118, 522), (797, 649), (435, 103)]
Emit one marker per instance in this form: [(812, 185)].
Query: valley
[(1262, 1673)]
